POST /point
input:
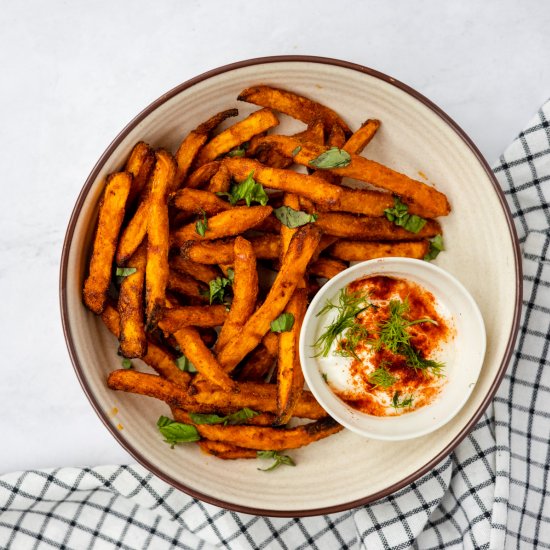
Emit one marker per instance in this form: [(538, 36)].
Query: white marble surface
[(74, 73)]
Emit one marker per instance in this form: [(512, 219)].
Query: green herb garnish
[(293, 218), (125, 271), (406, 402), (238, 151), (202, 225), (126, 364), (176, 432), (436, 246), (278, 457), (296, 151), (382, 377), (248, 190), (239, 417), (400, 216), (283, 323), (349, 343), (350, 304), (216, 287), (185, 365), (332, 158), (325, 377)]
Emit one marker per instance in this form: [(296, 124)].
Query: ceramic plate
[(416, 138)]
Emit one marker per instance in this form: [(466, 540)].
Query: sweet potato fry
[(202, 175), (336, 136), (290, 379), (292, 104), (225, 224), (326, 268), (194, 349), (292, 201), (134, 233), (133, 342), (258, 363), (311, 187), (111, 214), (315, 133), (156, 272), (270, 225), (139, 164), (235, 135), (324, 243), (201, 272), (293, 267), (363, 250), (196, 200), (225, 451), (268, 439), (176, 318), (362, 137), (157, 358), (350, 226), (245, 292), (191, 145), (187, 285), (266, 247), (221, 181)]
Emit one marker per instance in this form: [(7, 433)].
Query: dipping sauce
[(381, 346)]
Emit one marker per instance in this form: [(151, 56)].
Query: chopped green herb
[(278, 457), (126, 364), (325, 377), (283, 323), (125, 271), (238, 417), (406, 402), (400, 216), (382, 377), (296, 151), (293, 218), (238, 151), (176, 432), (348, 344), (332, 158), (436, 246), (185, 365), (216, 288), (248, 190), (202, 225)]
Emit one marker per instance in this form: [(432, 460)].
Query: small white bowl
[(463, 356)]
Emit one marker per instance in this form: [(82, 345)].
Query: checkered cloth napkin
[(493, 492)]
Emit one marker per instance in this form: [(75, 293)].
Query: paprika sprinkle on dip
[(381, 346)]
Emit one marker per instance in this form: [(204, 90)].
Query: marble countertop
[(75, 73)]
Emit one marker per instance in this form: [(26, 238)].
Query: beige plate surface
[(416, 138)]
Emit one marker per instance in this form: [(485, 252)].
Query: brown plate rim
[(79, 368)]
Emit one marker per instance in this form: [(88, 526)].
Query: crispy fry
[(193, 348), (292, 201), (194, 200), (139, 164), (245, 292), (261, 418), (362, 137), (290, 379), (315, 133), (225, 451), (111, 214), (202, 175), (201, 272), (187, 285), (133, 342), (350, 226), (258, 363), (326, 268), (156, 272), (336, 137), (292, 104), (221, 181), (293, 267), (324, 243), (235, 135), (225, 224), (190, 146), (364, 250), (311, 187), (270, 225), (266, 247), (176, 318), (134, 233)]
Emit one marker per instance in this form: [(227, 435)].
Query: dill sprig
[(406, 402), (348, 343), (349, 306), (382, 377)]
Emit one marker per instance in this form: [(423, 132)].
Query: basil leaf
[(238, 417), (332, 158), (217, 288), (279, 460), (296, 151), (176, 432), (248, 190), (185, 365), (239, 151), (283, 323), (399, 215), (126, 364), (202, 225), (293, 218), (199, 418), (125, 271), (436, 246)]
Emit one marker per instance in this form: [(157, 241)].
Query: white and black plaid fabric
[(493, 492)]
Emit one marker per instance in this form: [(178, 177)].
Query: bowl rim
[(80, 369), (392, 267)]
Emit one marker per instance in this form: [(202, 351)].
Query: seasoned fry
[(111, 214), (324, 243), (363, 250), (266, 247), (135, 231), (270, 225), (196, 200), (256, 123), (290, 379), (187, 285), (336, 137), (245, 292), (311, 187), (221, 181), (293, 267), (193, 348), (315, 133), (202, 175), (292, 201), (191, 145), (156, 272), (139, 164), (225, 451), (201, 272), (225, 224), (133, 342), (294, 105), (258, 363), (362, 137), (349, 226), (176, 318), (261, 418), (326, 268)]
